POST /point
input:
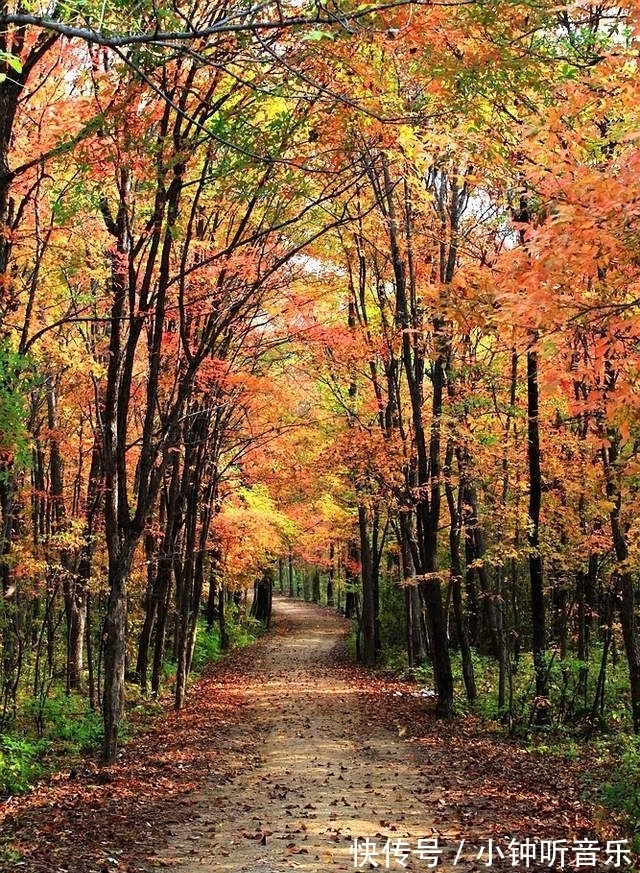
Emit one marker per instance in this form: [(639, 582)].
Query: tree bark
[(114, 635), (368, 595), (455, 528), (533, 536), (263, 592), (624, 577)]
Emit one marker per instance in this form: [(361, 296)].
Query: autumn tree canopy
[(339, 293)]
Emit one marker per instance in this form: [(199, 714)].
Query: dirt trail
[(317, 785), (341, 758), (285, 754)]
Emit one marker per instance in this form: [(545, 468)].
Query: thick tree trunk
[(185, 588), (114, 652), (455, 528), (625, 579), (93, 504), (91, 678), (76, 612), (315, 586), (418, 646), (473, 608), (11, 88), (493, 601), (165, 567), (150, 615), (262, 596), (351, 582), (214, 585), (222, 619), (427, 449), (183, 576), (331, 576), (368, 626), (533, 536), (211, 611), (291, 580), (428, 522)]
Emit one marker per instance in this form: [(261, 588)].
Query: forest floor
[(285, 754)]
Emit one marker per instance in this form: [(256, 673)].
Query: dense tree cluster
[(348, 292)]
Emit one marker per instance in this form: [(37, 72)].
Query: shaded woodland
[(341, 300)]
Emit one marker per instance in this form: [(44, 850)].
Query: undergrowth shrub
[(19, 765), (242, 630), (207, 647), (67, 722), (622, 792)]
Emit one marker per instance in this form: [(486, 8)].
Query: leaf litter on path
[(286, 755)]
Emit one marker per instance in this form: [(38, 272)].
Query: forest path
[(325, 771), (285, 753)]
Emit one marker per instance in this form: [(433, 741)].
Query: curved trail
[(285, 753)]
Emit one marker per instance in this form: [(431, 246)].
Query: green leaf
[(317, 35), (12, 61)]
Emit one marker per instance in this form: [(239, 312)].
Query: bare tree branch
[(240, 21)]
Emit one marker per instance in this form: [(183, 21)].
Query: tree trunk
[(291, 580), (351, 581), (114, 652), (222, 621), (165, 567), (624, 578), (533, 536), (263, 591), (150, 615), (455, 527), (368, 595), (315, 586), (427, 451)]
